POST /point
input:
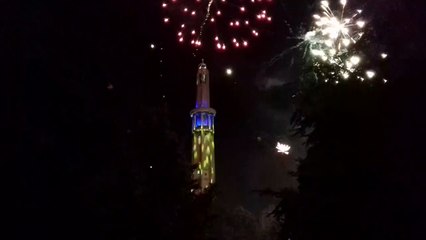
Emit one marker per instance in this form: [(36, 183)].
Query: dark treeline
[(362, 177)]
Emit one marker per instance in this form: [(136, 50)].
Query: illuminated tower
[(203, 131)]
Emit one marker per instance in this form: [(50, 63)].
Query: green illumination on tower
[(203, 131)]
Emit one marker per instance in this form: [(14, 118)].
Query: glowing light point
[(229, 71), (355, 60), (384, 55), (346, 42), (325, 3), (283, 148), (370, 74), (152, 46), (360, 24)]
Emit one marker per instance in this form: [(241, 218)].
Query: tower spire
[(203, 90), (203, 131)]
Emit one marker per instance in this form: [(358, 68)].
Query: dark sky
[(84, 61)]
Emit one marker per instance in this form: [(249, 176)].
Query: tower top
[(203, 89), (202, 65)]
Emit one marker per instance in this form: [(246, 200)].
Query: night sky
[(82, 72)]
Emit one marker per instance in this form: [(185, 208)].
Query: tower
[(203, 131)]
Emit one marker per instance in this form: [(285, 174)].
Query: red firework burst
[(222, 23)]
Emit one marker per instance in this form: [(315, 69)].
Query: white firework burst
[(332, 37), (283, 148)]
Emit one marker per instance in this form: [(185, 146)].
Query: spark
[(355, 60), (206, 18), (110, 86), (229, 71), (370, 74), (283, 148)]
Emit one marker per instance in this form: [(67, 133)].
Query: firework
[(332, 38), (224, 24), (283, 148)]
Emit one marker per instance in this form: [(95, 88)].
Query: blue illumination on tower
[(203, 120)]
